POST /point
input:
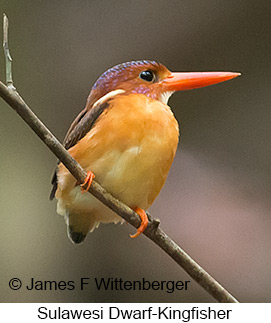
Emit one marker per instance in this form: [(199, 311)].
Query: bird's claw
[(88, 181), (144, 222)]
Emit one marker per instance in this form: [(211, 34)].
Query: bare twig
[(153, 231), (8, 58)]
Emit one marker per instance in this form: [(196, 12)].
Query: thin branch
[(153, 231), (8, 58)]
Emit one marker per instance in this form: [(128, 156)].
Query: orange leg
[(88, 180), (144, 222)]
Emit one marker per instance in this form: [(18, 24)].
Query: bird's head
[(153, 80)]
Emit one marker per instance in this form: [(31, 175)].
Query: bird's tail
[(79, 225)]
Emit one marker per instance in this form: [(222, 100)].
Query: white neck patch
[(164, 97)]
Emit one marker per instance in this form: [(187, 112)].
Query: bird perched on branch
[(126, 137)]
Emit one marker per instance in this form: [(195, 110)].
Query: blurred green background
[(216, 201)]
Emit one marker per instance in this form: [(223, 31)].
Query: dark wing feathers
[(78, 129), (83, 125), (54, 188), (73, 125)]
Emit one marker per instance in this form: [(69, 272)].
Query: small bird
[(128, 143)]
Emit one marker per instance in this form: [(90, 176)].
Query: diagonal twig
[(153, 231)]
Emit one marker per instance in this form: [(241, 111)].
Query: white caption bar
[(153, 312)]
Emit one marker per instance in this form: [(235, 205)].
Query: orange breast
[(130, 149)]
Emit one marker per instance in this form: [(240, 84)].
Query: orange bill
[(187, 81)]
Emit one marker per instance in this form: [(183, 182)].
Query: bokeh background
[(216, 201)]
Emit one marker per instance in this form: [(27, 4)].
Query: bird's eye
[(147, 76)]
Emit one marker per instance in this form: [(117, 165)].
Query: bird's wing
[(82, 124), (78, 129)]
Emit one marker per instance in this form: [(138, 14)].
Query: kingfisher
[(128, 142)]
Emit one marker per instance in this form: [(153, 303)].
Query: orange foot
[(144, 222), (88, 181)]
